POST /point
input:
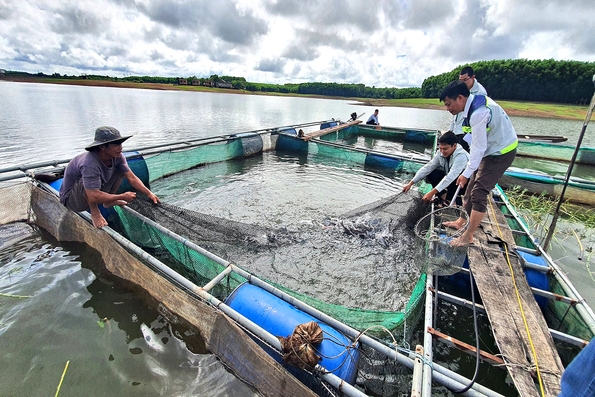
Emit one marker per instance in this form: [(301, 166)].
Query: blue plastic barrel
[(288, 131), (280, 319), (382, 162), (140, 169), (535, 278), (324, 126)]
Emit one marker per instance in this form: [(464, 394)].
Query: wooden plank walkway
[(494, 280), (339, 127)]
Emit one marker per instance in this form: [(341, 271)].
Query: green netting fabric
[(192, 264), (364, 319), (346, 155), (375, 243), (167, 163)]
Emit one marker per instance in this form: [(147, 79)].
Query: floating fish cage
[(353, 350)]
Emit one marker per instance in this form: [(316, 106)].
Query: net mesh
[(380, 231), (338, 254), (170, 162), (440, 258)]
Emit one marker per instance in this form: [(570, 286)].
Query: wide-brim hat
[(105, 135)]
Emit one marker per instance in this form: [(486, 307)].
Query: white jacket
[(452, 166)]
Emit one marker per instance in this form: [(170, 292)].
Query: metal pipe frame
[(583, 309), (573, 340)]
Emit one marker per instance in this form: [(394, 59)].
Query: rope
[(518, 296)]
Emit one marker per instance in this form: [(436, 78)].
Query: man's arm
[(479, 121), (136, 183), (423, 172), (96, 197)]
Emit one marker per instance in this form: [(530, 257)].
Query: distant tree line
[(337, 90), (525, 80), (240, 83), (519, 79)]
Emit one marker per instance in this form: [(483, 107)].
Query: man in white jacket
[(443, 170), (467, 76), (493, 149)]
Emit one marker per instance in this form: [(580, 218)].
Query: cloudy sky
[(384, 43)]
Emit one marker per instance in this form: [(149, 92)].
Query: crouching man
[(93, 177), (443, 170)]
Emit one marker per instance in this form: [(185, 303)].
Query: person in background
[(93, 177), (373, 119), (443, 170), (493, 149), (467, 76)]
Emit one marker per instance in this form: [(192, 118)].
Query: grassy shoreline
[(513, 108)]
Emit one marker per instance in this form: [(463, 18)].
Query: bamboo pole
[(552, 227)]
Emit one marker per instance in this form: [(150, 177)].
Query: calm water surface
[(78, 313)]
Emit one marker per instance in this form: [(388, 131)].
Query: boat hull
[(579, 191)]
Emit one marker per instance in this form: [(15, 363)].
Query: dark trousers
[(484, 179)]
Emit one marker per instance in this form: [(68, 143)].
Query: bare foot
[(458, 224), (98, 221), (115, 202), (461, 242)]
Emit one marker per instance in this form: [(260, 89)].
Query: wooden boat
[(554, 151), (579, 190), (200, 306), (542, 138)]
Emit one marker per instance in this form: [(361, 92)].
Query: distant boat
[(579, 190), (541, 138), (553, 151)]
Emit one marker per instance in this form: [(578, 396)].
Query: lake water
[(78, 313)]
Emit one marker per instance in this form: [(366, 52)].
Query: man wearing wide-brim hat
[(93, 177)]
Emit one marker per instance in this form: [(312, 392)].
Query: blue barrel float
[(378, 161), (535, 278), (330, 124), (280, 318), (288, 141)]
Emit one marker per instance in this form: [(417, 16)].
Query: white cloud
[(383, 43)]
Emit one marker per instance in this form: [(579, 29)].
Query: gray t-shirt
[(93, 172)]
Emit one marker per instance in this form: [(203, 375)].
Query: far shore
[(512, 108)]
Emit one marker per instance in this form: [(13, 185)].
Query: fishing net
[(440, 257), (377, 237), (359, 266)]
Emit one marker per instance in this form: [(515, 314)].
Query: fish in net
[(361, 259), (440, 258)]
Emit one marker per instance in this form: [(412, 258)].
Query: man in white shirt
[(373, 119), (493, 149), (467, 76), (443, 170)]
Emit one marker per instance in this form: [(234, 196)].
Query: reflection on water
[(59, 305)]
